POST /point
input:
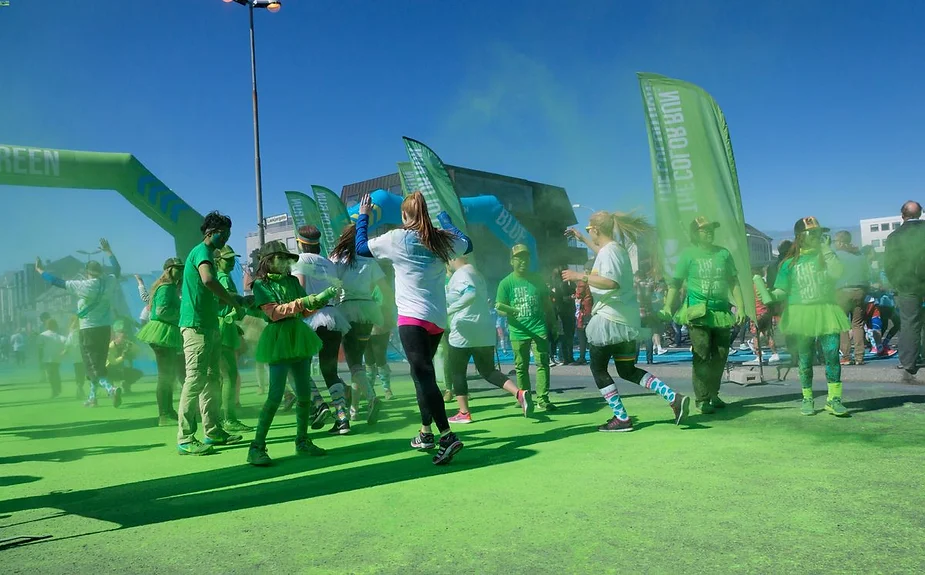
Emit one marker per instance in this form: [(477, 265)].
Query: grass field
[(757, 489)]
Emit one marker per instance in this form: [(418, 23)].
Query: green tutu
[(161, 334), (814, 320), (714, 318), (287, 340)]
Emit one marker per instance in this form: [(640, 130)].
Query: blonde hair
[(622, 227), (440, 242)]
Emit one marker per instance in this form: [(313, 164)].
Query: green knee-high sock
[(302, 411), (834, 391), (267, 413)]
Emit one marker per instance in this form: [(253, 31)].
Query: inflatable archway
[(43, 167), (479, 210)]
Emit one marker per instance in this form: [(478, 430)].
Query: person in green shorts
[(162, 333), (201, 293), (524, 299), (286, 345), (709, 273), (228, 316), (806, 282)]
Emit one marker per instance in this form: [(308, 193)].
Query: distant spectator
[(55, 349), (584, 302), (851, 290), (18, 343), (905, 269)]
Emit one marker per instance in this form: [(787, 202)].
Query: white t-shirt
[(471, 324), (17, 341), (54, 345), (419, 274), (95, 297), (318, 271), (618, 305), (360, 278)]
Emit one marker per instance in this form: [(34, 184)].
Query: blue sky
[(823, 101)]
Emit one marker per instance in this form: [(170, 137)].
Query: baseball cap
[(226, 253), (519, 249)]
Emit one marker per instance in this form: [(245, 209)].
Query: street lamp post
[(576, 206), (271, 6)]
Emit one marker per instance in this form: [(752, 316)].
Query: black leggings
[(327, 357), (94, 348), (420, 348), (376, 349), (484, 364), (355, 342), (624, 357)]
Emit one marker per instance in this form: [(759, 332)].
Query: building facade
[(875, 231)]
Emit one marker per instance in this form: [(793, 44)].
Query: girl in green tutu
[(163, 335), (286, 345), (806, 282)]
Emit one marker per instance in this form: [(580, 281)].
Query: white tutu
[(362, 311), (601, 331), (331, 318)]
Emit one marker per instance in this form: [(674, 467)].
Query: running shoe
[(705, 407), (681, 407), (116, 396), (447, 396), (304, 446), (614, 424), (717, 402), (461, 418), (235, 425), (354, 412), (775, 358), (546, 405), (257, 456), (423, 441), (321, 416), (165, 421), (289, 400), (807, 407), (835, 407), (525, 400), (373, 415), (388, 394), (194, 447), (340, 428), (222, 437), (449, 446), (90, 402)]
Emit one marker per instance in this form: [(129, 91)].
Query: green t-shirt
[(198, 305), (805, 281), (165, 304), (528, 295), (709, 273), (277, 289)]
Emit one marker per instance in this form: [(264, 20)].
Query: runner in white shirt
[(472, 336), (317, 273), (419, 253), (360, 276), (615, 327)]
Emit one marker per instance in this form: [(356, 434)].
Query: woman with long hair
[(709, 274), (286, 345), (419, 253), (359, 276), (615, 327), (806, 282), (162, 333)]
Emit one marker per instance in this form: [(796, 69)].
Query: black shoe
[(340, 428), (423, 441), (449, 446), (321, 416), (373, 416)]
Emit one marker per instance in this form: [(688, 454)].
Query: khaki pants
[(851, 300), (202, 387)]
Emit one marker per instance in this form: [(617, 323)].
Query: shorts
[(765, 325)]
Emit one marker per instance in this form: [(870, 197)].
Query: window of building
[(875, 243), (875, 227), (895, 225)]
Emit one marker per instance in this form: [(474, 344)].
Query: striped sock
[(339, 401)]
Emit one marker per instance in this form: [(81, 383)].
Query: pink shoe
[(461, 418)]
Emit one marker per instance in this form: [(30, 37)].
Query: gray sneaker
[(257, 456)]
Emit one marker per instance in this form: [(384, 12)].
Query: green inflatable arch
[(44, 167)]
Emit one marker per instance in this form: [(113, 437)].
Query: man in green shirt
[(524, 299), (202, 340), (228, 318)]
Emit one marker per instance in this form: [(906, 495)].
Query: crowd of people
[(820, 299)]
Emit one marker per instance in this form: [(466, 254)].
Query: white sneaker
[(661, 351), (751, 362), (775, 358), (353, 413)]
